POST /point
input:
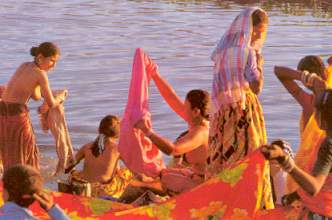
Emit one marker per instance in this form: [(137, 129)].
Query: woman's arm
[(287, 76), (311, 183), (187, 143), (46, 91), (81, 152), (172, 99), (254, 71)]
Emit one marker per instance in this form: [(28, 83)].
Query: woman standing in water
[(17, 139), (237, 125)]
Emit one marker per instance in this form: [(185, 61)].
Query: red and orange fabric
[(235, 193)]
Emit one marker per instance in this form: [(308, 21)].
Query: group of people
[(221, 130)]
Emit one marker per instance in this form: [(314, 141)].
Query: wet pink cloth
[(53, 119), (139, 154)]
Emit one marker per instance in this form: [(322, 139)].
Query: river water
[(98, 40)]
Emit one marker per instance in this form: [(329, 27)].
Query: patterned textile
[(235, 193), (178, 180), (53, 119), (17, 139), (114, 188), (138, 153), (230, 58), (234, 133)]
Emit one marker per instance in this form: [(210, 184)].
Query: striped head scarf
[(230, 58)]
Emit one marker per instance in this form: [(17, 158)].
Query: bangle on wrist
[(288, 164), (304, 77), (149, 133)]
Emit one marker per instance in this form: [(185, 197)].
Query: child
[(22, 186)]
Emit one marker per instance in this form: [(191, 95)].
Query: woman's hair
[(329, 60), (258, 17), (324, 105), (110, 127), (312, 64), (199, 99), (47, 49), (21, 180)]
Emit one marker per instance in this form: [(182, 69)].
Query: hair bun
[(34, 51)]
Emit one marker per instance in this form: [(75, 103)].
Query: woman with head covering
[(236, 124)]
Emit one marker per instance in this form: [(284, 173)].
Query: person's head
[(46, 55), (109, 127), (260, 21), (329, 61), (312, 64), (323, 107), (20, 183), (198, 104)]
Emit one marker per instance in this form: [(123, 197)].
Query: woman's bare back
[(101, 168), (23, 84)]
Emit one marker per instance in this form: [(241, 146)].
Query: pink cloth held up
[(139, 154)]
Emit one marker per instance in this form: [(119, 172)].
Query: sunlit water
[(98, 40)]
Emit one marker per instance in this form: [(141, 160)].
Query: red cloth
[(17, 139)]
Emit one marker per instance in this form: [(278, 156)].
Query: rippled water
[(98, 39)]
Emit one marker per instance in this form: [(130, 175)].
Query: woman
[(17, 139), (193, 144), (237, 124), (315, 180), (101, 161), (311, 135)]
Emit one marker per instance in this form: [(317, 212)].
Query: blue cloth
[(11, 211)]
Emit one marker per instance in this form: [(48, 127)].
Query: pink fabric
[(136, 150)]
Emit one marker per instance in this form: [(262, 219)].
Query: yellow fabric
[(311, 138), (234, 133), (114, 189)]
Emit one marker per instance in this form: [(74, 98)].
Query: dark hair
[(312, 64), (110, 127), (199, 99), (21, 180), (323, 104), (259, 16), (329, 60), (47, 49)]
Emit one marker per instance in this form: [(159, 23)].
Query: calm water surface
[(98, 40)]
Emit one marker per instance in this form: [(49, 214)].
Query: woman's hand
[(273, 152), (44, 199), (144, 125)]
